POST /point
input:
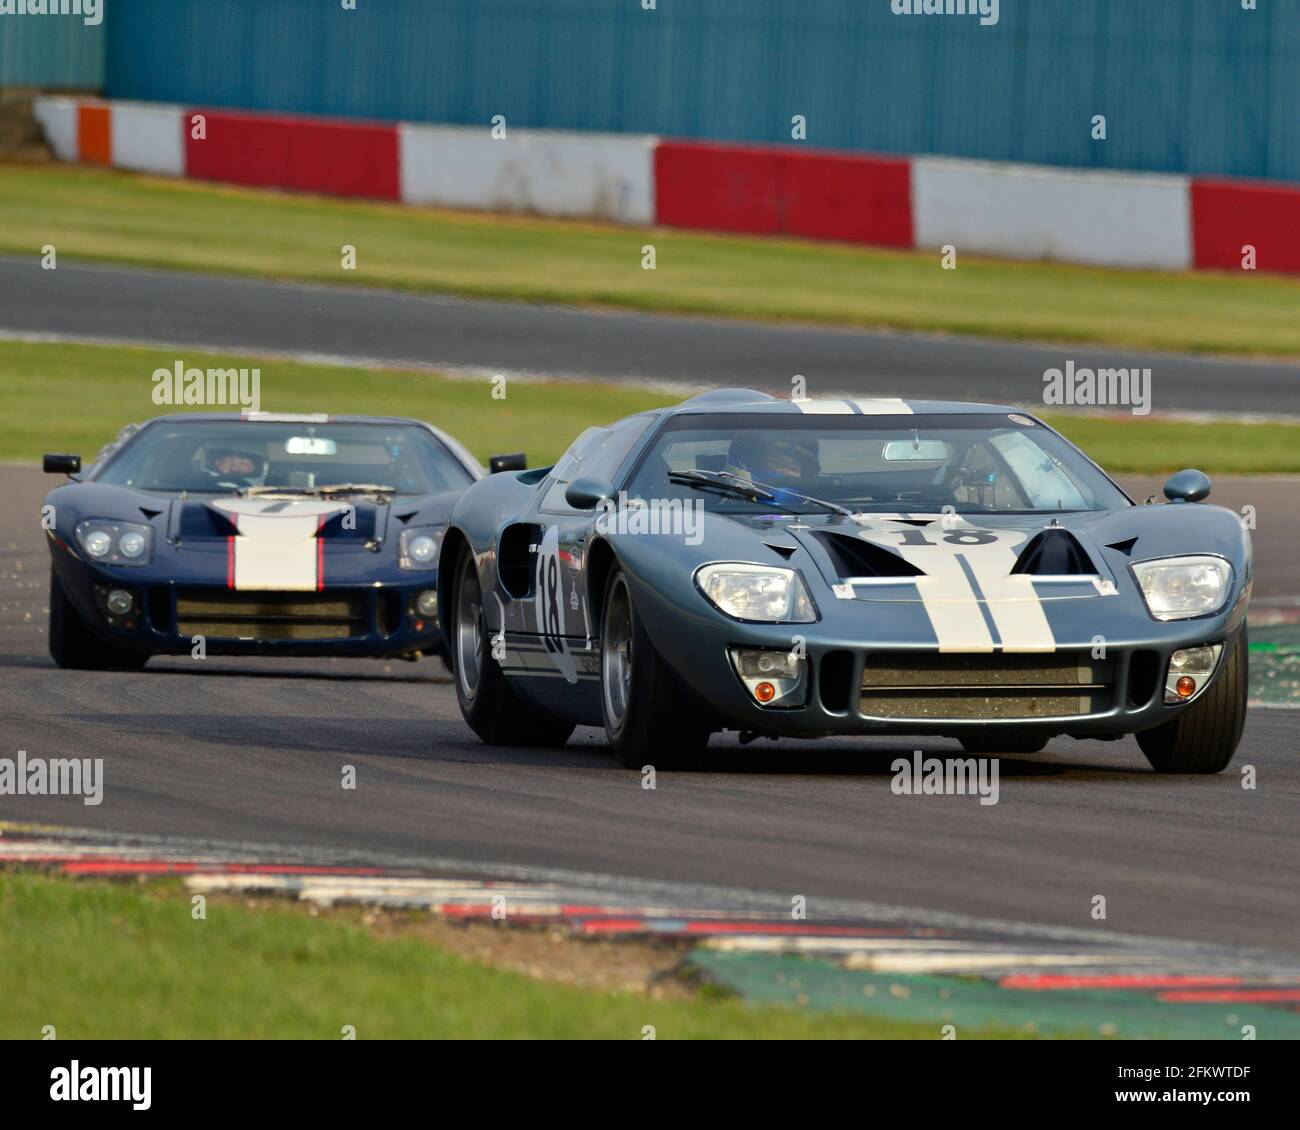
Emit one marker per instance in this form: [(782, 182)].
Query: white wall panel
[(598, 176), (1030, 212), (58, 119), (148, 138)]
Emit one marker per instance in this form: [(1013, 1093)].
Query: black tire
[(1203, 738), (650, 720), (75, 647), (1008, 741), (487, 701)]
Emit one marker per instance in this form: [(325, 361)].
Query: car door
[(552, 624)]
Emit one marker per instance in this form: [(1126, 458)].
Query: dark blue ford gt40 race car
[(257, 534), (803, 569)]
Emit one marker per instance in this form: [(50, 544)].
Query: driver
[(777, 460), (234, 467)]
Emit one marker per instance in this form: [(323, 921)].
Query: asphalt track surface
[(253, 750), (190, 310)]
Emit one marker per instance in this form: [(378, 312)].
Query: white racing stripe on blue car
[(854, 407), (973, 602)]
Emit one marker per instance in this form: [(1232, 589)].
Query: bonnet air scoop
[(1054, 552), (853, 557)]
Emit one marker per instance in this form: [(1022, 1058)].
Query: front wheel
[(1203, 738), (648, 717), (487, 701)]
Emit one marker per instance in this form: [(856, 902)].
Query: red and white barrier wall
[(1140, 220)]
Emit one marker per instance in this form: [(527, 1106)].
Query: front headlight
[(1176, 588), (418, 547), (762, 593), (115, 543)]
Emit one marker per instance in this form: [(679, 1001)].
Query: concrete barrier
[(1107, 219), (148, 138), (1027, 212), (593, 176)]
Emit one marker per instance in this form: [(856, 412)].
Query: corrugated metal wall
[(52, 52), (1186, 85)]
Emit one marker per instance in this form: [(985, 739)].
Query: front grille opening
[(1143, 677), (853, 557), (1054, 553), (390, 611), (836, 681), (926, 686), (223, 615), (160, 608)]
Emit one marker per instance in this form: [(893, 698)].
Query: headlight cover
[(418, 547), (1177, 588), (760, 593), (115, 543)]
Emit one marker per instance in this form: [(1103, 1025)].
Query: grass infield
[(101, 960), (74, 398), (124, 218)]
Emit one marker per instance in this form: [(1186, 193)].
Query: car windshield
[(871, 464), (230, 456)]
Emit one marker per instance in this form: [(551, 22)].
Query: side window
[(598, 453)]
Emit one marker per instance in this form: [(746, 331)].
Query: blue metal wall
[(54, 52), (1188, 85)]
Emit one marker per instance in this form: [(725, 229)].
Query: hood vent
[(1055, 552), (1125, 547), (853, 557), (786, 551), (364, 523), (199, 522)]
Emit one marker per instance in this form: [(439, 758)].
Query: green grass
[(108, 961), (61, 397), (113, 216)]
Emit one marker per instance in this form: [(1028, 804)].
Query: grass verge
[(68, 397), (101, 960), (118, 217)]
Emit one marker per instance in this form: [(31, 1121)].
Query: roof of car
[(743, 400), (286, 418), (459, 449)]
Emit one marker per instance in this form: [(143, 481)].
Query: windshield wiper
[(723, 481), (324, 491), (740, 485)]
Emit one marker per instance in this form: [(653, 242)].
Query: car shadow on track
[(232, 668)]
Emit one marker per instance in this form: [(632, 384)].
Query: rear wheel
[(487, 701), (648, 718), (1203, 738), (75, 646), (1003, 741)]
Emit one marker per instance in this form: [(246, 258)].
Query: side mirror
[(61, 464), (587, 494), (1188, 486), (517, 461)]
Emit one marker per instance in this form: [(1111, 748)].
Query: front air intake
[(853, 557), (1055, 553)]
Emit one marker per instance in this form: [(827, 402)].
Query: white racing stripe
[(277, 548), (867, 407), (887, 406), (823, 407), (1012, 601), (955, 615), (955, 609)]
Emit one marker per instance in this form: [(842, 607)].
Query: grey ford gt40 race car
[(803, 569)]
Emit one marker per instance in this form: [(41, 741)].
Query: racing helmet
[(777, 458)]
